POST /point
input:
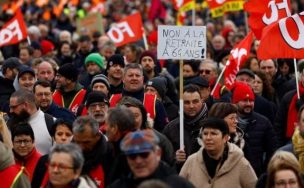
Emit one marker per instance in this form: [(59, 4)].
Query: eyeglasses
[(15, 106), (283, 183), (143, 155), (60, 167), (205, 71), (100, 105), (25, 142)]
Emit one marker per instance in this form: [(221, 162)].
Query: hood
[(6, 157)]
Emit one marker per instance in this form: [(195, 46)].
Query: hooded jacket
[(235, 172)]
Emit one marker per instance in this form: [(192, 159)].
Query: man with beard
[(195, 110), (133, 81), (23, 109), (97, 105), (148, 62), (44, 100), (114, 70), (94, 65), (69, 93), (97, 152), (260, 138)]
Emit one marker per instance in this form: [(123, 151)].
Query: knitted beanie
[(242, 91), (69, 71), (115, 59), (160, 84), (148, 53), (96, 96), (100, 78), (95, 58)]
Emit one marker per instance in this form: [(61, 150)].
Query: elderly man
[(46, 70), (143, 156), (218, 162), (97, 152)]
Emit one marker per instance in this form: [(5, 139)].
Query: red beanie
[(242, 91), (46, 46)]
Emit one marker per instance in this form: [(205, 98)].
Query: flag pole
[(181, 105), (145, 40), (28, 40), (193, 13), (218, 79), (246, 22), (297, 79)]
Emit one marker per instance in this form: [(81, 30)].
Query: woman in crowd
[(228, 112), (262, 86), (61, 133), (284, 171)]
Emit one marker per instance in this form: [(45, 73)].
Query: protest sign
[(181, 42), (92, 22)]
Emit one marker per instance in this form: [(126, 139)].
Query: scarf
[(292, 113), (298, 147)]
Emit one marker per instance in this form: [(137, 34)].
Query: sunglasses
[(205, 71), (141, 155)]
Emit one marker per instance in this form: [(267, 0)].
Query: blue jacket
[(59, 112)]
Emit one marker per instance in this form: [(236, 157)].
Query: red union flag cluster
[(283, 39), (265, 12), (128, 30), (220, 7), (238, 56), (13, 31)]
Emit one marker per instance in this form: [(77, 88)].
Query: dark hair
[(10, 63), (268, 90), (215, 123), (43, 83), (247, 63), (58, 122), (28, 48), (288, 62), (22, 129), (122, 117), (191, 88), (133, 102), (84, 38), (221, 110), (194, 64)]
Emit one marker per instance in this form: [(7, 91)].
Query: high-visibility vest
[(10, 175)]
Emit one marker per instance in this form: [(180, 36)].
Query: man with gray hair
[(97, 152)]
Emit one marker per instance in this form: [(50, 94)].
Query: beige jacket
[(236, 172)]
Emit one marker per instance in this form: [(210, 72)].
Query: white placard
[(181, 42)]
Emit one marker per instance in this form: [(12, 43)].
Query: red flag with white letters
[(265, 12), (13, 31), (283, 39), (129, 29), (238, 55)]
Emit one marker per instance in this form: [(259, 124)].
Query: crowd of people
[(78, 111)]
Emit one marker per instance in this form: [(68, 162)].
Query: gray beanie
[(100, 78)]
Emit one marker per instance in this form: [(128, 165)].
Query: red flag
[(128, 30), (265, 12), (220, 7), (283, 39), (238, 56), (13, 31)]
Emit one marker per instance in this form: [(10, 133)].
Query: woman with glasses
[(65, 165), (25, 153), (61, 133), (284, 171), (228, 112)]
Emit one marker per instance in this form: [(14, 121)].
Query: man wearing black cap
[(114, 70), (158, 86), (9, 72), (97, 106), (69, 93)]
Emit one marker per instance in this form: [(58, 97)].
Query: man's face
[(23, 145), (43, 97), (85, 47), (27, 81), (61, 82), (66, 50), (207, 72), (18, 110), (92, 68), (245, 78), (98, 111), (86, 139), (115, 71), (213, 140), (268, 67), (99, 86), (143, 165), (61, 169), (45, 71), (192, 103), (148, 64), (245, 106), (133, 80)]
